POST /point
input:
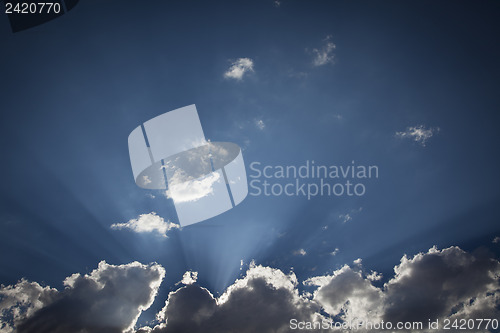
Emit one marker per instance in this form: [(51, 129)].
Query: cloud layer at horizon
[(438, 284)]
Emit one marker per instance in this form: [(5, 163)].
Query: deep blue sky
[(74, 88)]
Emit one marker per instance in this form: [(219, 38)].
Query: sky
[(408, 87)]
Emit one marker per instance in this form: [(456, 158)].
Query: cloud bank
[(109, 299), (437, 284)]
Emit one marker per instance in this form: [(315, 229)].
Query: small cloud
[(374, 276), (189, 278), (260, 124), (146, 180), (348, 216), (300, 252), (239, 68), (324, 227), (345, 218), (277, 3), (418, 134), (147, 223), (358, 261), (334, 253), (325, 54), (496, 240)]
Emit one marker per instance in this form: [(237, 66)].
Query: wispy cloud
[(324, 55), (345, 218), (260, 124), (349, 216), (419, 134), (496, 240), (300, 252), (239, 68), (147, 223)]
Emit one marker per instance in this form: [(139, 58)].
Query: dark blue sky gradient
[(74, 88)]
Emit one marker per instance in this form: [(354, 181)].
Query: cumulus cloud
[(436, 284), (449, 283), (325, 54), (182, 190), (21, 301), (147, 223), (239, 68), (109, 299), (262, 301), (418, 134), (189, 277)]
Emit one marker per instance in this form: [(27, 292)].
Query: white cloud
[(374, 276), (189, 277), (418, 134), (109, 299), (300, 252), (349, 216), (182, 190), (260, 124), (147, 223), (345, 218), (277, 3), (496, 240), (437, 284), (239, 68), (334, 253), (348, 294), (325, 54), (264, 300), (21, 301)]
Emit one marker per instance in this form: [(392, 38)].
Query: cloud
[(277, 3), (345, 218), (262, 301), (21, 301), (182, 190), (418, 134), (348, 216), (334, 252), (496, 240), (147, 223), (300, 252), (189, 278), (260, 124), (436, 284), (325, 54), (348, 294), (448, 283), (109, 299), (239, 68)]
